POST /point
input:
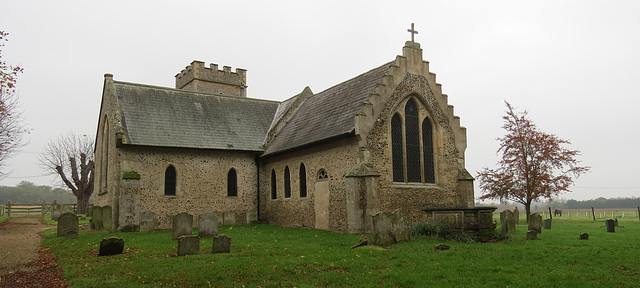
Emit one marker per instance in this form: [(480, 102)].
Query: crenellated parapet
[(198, 78)]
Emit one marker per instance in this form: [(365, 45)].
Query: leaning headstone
[(221, 244), (111, 246), (532, 235), (390, 228), (364, 241), (67, 222), (442, 247), (182, 225), (207, 225), (547, 223), (615, 222), (107, 218), (516, 216), (507, 222), (96, 219), (584, 236), (147, 221), (535, 222), (188, 245)]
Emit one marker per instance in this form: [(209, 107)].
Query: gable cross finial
[(413, 32)]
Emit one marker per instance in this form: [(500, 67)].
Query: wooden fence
[(28, 209)]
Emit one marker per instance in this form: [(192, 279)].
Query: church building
[(384, 140)]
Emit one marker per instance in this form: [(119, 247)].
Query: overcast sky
[(574, 65)]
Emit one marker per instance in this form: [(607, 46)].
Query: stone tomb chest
[(468, 220)]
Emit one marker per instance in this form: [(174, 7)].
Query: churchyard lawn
[(275, 256)]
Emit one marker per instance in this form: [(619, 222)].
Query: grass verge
[(275, 256)]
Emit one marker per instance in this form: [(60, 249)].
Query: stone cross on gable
[(413, 32)]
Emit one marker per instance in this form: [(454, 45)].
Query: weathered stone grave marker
[(67, 222), (221, 244), (107, 218), (56, 211), (147, 221), (207, 225), (188, 245), (507, 222), (535, 222), (532, 235), (584, 236), (182, 225), (390, 228), (111, 246), (96, 218), (516, 215), (547, 223)]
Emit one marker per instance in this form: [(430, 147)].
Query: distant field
[(601, 214), (275, 256)]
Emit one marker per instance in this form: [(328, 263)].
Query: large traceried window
[(412, 155), (232, 183), (170, 181)]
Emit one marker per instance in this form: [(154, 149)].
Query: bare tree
[(61, 157), (12, 129), (534, 164)]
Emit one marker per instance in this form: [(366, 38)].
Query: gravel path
[(24, 263)]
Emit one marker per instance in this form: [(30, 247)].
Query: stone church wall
[(201, 183), (414, 197), (336, 158)]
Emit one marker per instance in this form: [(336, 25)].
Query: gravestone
[(107, 218), (71, 235), (516, 216), (56, 211), (532, 235), (182, 225), (221, 244), (390, 228), (584, 236), (111, 246), (535, 222), (615, 222), (507, 222), (67, 222), (147, 221), (96, 218), (229, 218), (188, 245), (610, 225), (207, 225), (547, 223)]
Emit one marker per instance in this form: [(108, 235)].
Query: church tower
[(198, 78)]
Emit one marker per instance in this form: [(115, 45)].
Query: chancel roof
[(328, 114), (156, 116)]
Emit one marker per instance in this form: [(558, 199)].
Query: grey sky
[(572, 64)]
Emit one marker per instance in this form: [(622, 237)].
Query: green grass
[(275, 256)]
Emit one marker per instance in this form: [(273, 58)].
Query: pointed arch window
[(412, 149), (287, 182), (303, 181), (274, 186), (232, 183), (170, 181)]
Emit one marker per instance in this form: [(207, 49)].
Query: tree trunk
[(83, 203), (527, 208)]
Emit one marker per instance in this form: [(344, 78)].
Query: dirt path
[(23, 262)]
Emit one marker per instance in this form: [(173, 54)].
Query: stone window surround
[(423, 114)]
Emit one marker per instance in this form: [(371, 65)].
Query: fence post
[(594, 213), (44, 204), (8, 208)]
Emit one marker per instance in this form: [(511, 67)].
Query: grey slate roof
[(329, 113), (157, 116)]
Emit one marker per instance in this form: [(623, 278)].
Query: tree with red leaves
[(11, 127), (534, 164)]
